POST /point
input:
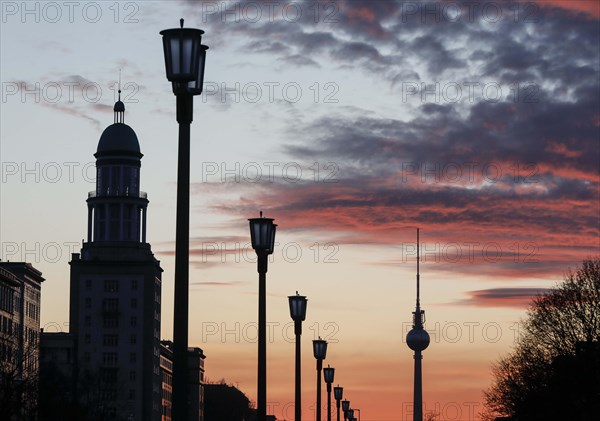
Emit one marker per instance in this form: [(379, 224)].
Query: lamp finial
[(181, 22)]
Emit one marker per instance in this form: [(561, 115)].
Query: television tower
[(418, 340)]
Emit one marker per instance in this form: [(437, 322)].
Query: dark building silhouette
[(57, 384), (115, 302), (112, 365), (196, 380), (20, 299), (20, 304), (196, 359)]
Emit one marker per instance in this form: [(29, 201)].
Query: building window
[(131, 394), (110, 340), (133, 303), (110, 358), (88, 303), (133, 339), (110, 304), (132, 375), (132, 357), (134, 284), (111, 285), (133, 321), (110, 322), (86, 357), (88, 284), (88, 321), (87, 338)]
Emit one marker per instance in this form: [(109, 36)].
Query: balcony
[(117, 193)]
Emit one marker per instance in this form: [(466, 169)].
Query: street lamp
[(345, 408), (328, 373), (320, 352), (350, 414), (184, 61), (262, 234), (338, 393), (298, 312)]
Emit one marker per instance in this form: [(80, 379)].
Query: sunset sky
[(349, 122)]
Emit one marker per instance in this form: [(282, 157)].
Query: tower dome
[(118, 138)]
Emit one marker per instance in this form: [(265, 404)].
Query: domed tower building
[(417, 339), (115, 286)]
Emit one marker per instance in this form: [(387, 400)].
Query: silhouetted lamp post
[(328, 373), (184, 61), (298, 312), (338, 393), (345, 408), (262, 234), (350, 414), (320, 352)]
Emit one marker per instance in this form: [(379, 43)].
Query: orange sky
[(374, 162)]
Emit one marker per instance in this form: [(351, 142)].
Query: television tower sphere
[(417, 339)]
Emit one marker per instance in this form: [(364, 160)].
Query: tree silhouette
[(18, 380), (225, 402), (553, 371)]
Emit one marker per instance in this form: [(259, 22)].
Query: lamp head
[(185, 58), (262, 234), (298, 307), (338, 392), (328, 373), (319, 348)]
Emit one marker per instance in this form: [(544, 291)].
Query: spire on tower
[(119, 107), (418, 277)]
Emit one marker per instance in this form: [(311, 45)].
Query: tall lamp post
[(328, 373), (298, 312), (320, 352), (338, 393), (185, 57), (345, 408), (262, 234)]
